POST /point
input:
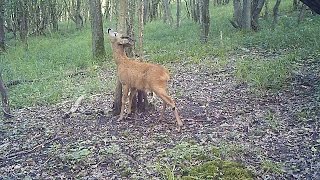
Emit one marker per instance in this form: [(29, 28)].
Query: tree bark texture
[(178, 13), (276, 14), (98, 50), (205, 20), (257, 6), (246, 15), (123, 9), (5, 99)]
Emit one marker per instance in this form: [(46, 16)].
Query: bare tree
[(98, 50)]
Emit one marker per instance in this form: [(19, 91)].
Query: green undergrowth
[(265, 73), (50, 58), (188, 161)]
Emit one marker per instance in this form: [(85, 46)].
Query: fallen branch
[(74, 108)]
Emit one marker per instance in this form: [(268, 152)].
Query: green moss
[(218, 169)]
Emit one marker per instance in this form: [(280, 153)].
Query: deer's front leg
[(125, 91), (132, 95)]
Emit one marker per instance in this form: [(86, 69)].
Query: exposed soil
[(282, 127)]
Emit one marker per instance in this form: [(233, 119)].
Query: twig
[(24, 152), (74, 108)]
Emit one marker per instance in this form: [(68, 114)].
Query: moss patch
[(218, 169)]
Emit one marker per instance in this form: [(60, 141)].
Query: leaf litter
[(280, 127)]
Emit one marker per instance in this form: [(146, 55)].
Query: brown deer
[(135, 75)]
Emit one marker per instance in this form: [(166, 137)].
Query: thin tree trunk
[(23, 19), (276, 14), (78, 18), (256, 9), (237, 7), (123, 6), (2, 32), (178, 13), (98, 50), (205, 20), (5, 99)]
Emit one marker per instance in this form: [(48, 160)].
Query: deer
[(136, 75)]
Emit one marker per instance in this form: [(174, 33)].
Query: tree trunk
[(23, 21), (166, 12), (98, 50), (123, 9), (178, 13), (53, 14), (246, 15), (2, 33), (256, 9), (5, 99), (275, 14), (237, 7), (78, 18), (205, 20)]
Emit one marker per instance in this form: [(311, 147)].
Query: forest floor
[(275, 133)]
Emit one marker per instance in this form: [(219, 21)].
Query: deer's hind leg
[(167, 99)]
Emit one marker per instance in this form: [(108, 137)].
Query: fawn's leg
[(167, 99), (164, 106), (132, 95), (125, 90)]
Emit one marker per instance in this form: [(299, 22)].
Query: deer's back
[(143, 76)]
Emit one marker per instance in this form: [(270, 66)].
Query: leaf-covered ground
[(274, 134)]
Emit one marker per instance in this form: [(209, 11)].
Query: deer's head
[(119, 39)]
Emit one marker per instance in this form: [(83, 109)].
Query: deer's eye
[(115, 34)]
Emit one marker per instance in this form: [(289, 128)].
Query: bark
[(246, 15), (123, 9), (167, 12), (54, 14), (256, 10), (5, 99), (98, 50), (23, 21), (205, 20), (77, 17), (276, 14), (2, 32), (237, 13), (178, 13)]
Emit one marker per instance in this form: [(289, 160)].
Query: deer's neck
[(119, 54)]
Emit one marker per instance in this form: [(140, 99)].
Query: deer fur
[(135, 75)]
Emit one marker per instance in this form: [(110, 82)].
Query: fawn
[(135, 75)]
